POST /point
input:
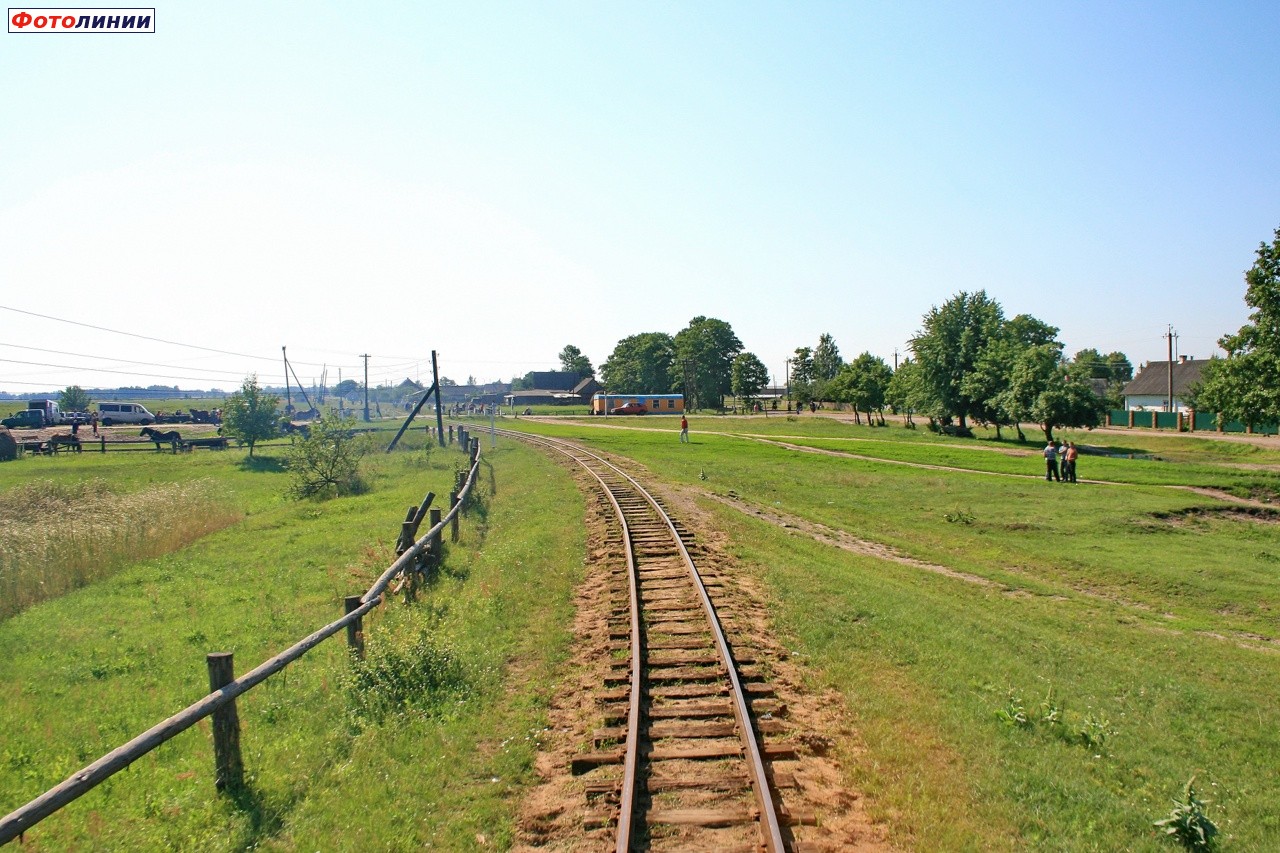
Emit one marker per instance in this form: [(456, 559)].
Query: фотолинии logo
[(81, 20)]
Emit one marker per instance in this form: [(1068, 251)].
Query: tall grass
[(59, 536)]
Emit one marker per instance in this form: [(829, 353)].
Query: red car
[(628, 409)]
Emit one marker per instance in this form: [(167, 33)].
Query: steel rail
[(770, 824)]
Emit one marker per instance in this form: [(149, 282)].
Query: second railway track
[(680, 760)]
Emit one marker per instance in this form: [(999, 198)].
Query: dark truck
[(28, 419)]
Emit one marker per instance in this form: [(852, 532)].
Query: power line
[(123, 360), (132, 334), (403, 360), (105, 370)]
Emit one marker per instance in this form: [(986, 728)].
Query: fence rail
[(89, 777)]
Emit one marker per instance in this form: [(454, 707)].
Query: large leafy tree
[(640, 364), (986, 383), (250, 414), (949, 347), (826, 359), (906, 392), (74, 399), (1048, 391), (1245, 385), (1092, 363), (573, 361), (749, 376), (1121, 367), (705, 350), (862, 383), (802, 375)]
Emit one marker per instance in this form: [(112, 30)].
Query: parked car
[(628, 409), (26, 419), (75, 417)]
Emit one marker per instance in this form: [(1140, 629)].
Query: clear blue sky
[(495, 181)]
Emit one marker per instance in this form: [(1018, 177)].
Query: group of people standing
[(1060, 461)]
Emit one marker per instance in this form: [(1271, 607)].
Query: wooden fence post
[(435, 537), (102, 444), (227, 763), (475, 450), (453, 525), (451, 433), (1155, 419), (407, 529), (1131, 419), (355, 629)]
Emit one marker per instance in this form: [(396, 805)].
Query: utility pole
[(895, 359), (786, 376), (366, 387), (288, 403), (435, 379), (1169, 337)]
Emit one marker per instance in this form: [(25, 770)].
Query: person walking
[(1051, 462), (684, 430), (1069, 473)]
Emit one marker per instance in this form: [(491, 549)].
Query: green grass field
[(1131, 621), (1149, 610), (85, 672)]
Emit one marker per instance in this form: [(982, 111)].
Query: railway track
[(679, 761)]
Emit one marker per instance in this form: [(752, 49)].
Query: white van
[(125, 413)]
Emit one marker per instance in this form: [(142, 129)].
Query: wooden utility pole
[(288, 403), (1169, 403), (366, 387), (435, 378)]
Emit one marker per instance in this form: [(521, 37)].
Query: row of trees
[(970, 364), (705, 361)]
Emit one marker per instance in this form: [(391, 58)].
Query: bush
[(421, 674), (326, 462)]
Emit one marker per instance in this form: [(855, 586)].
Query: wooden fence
[(220, 702)]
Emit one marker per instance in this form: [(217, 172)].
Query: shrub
[(327, 461)]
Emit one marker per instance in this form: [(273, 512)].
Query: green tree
[(74, 399), (573, 361), (1121, 367), (346, 386), (250, 414), (990, 378), (326, 463), (1092, 363), (826, 365), (906, 392), (802, 366), (704, 353), (749, 376), (1245, 386), (948, 349), (802, 376), (1050, 392), (640, 364), (863, 383)]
